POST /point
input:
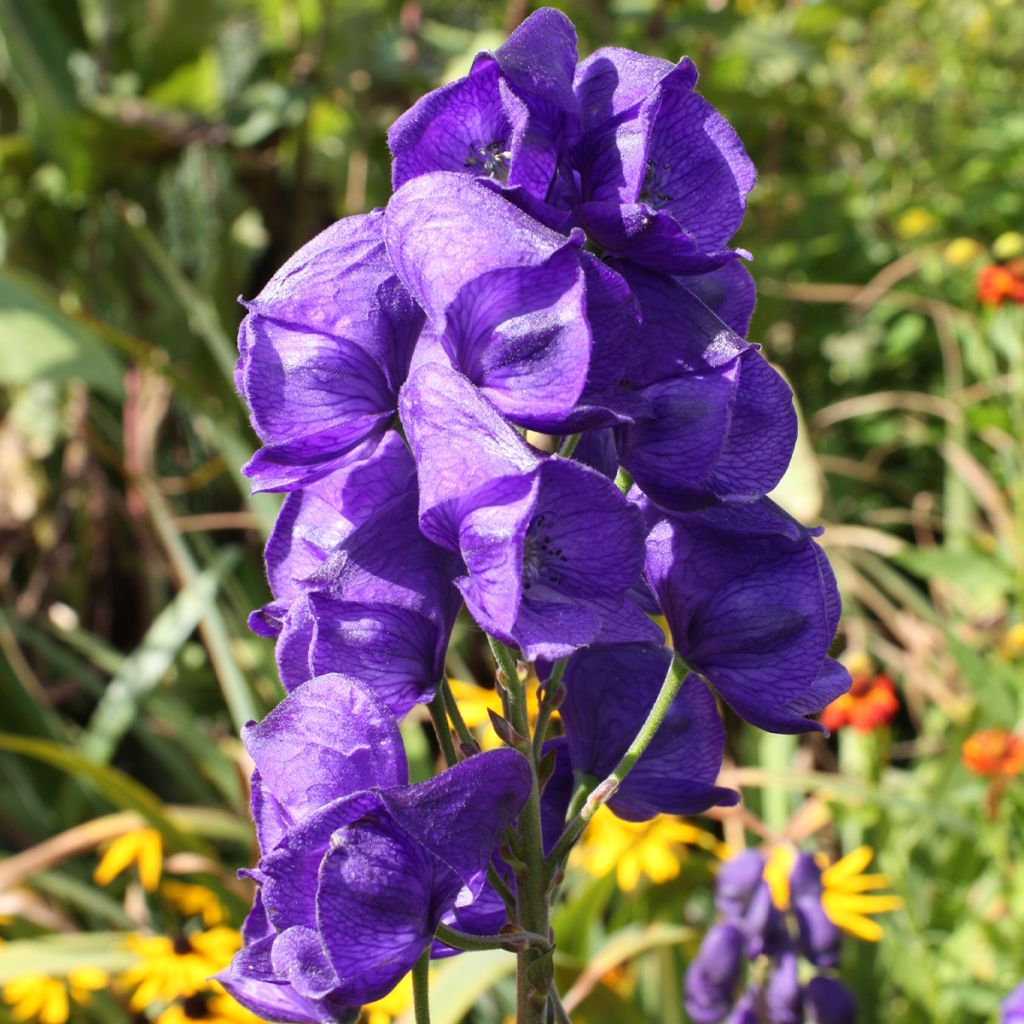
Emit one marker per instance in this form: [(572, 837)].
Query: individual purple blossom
[(1013, 1007), (752, 605), (664, 178), (783, 997), (609, 692), (357, 866), (820, 939), (714, 974), (829, 1001), (322, 353), (357, 588), (551, 547), (541, 327), (721, 423)]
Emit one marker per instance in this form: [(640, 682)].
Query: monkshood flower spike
[(524, 390)]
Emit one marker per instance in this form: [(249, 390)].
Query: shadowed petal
[(609, 693)]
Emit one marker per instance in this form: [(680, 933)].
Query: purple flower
[(746, 1010), (721, 422), (323, 350), (752, 605), (829, 1001), (551, 547), (820, 939), (782, 994), (358, 867), (357, 587), (713, 975), (542, 328), (1012, 1007), (609, 692), (664, 178), (743, 897), (509, 121)]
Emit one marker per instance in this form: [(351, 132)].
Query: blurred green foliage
[(159, 158)]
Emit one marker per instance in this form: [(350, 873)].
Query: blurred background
[(159, 158)]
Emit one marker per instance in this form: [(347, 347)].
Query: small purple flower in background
[(1013, 1007), (765, 935)]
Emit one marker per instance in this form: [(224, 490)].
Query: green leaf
[(39, 341), (142, 670), (113, 785), (57, 955)]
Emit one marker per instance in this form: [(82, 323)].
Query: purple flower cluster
[(553, 270), (752, 930)]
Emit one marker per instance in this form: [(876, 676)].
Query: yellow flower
[(142, 846), (634, 850), (194, 901), (1008, 245), (39, 997), (474, 702), (212, 1005), (962, 251), (915, 222), (847, 898), (170, 969), (1011, 646), (393, 1005)]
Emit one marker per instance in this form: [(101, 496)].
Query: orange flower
[(870, 703), (993, 752), (998, 284)]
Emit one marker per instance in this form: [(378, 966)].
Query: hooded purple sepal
[(331, 737), (609, 692), (722, 424), (664, 180), (753, 606), (714, 974), (322, 352), (389, 876), (507, 121), (829, 1001), (820, 939), (509, 298), (551, 546)]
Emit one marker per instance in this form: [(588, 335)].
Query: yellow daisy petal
[(852, 864)]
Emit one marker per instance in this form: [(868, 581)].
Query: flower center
[(493, 159), (653, 192), (540, 557)]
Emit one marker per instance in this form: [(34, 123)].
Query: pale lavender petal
[(329, 738)]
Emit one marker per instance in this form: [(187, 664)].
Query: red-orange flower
[(993, 752), (870, 703), (1001, 283)]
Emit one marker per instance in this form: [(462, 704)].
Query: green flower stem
[(547, 707), (453, 712), (421, 988), (444, 733), (606, 789), (463, 940), (568, 445), (534, 967)]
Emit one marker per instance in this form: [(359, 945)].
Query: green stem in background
[(534, 967), (605, 790), (421, 988), (454, 714), (775, 754), (441, 728)]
